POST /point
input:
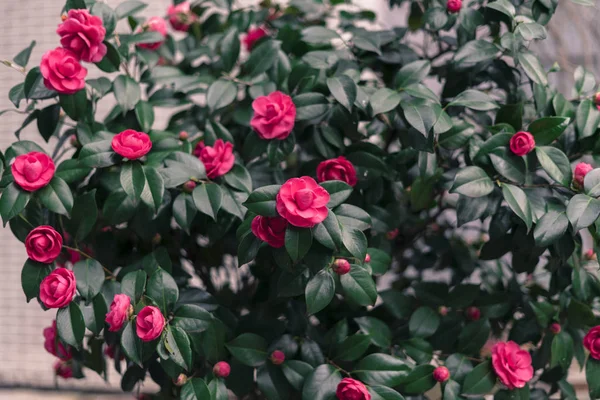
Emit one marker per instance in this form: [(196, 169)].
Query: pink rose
[(337, 169), (218, 159), (181, 16), (581, 170), (149, 323), (83, 34), (453, 6), (270, 230), (441, 374), (351, 389), (221, 369), (63, 370), (522, 143), (43, 244), (58, 289), (53, 345), (274, 116), (253, 36), (118, 313), (591, 341), (302, 202), (154, 24), (33, 171), (131, 144), (512, 364), (62, 71)]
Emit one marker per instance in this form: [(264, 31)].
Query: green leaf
[(480, 380), (355, 242), (419, 380), (208, 198), (70, 325), (412, 73), (587, 118), (239, 178), (384, 100), (452, 390), (127, 92), (83, 215), (322, 383), (475, 100), (424, 322), (16, 94), (184, 211), (562, 351), (47, 120), (95, 314), (57, 196), (154, 188), (368, 43), (503, 6), (351, 216), (109, 18), (129, 7), (328, 232), (475, 51), (319, 291), (179, 348), (377, 330), (192, 318), (131, 344), (272, 383), (145, 115), (98, 154), (338, 191), (218, 390), (32, 275), (531, 31), (23, 57), (133, 179), (34, 87), (473, 336), (112, 60), (381, 369), (352, 347), (359, 287), (472, 182), (195, 389), (384, 393), (508, 164), (72, 171), (163, 289), (318, 35), (118, 208), (90, 277), (421, 114), (230, 48), (262, 201), (533, 68), (74, 4), (582, 211), (592, 369), (546, 130), (459, 366), (134, 285), (297, 241), (518, 203), (249, 349), (310, 106), (295, 372), (555, 163), (551, 227), (343, 88), (262, 58), (221, 94), (13, 202), (380, 261)]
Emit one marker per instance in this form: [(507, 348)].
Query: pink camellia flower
[(512, 364), (253, 36), (274, 116), (119, 312), (277, 357), (131, 144), (218, 159), (149, 323), (581, 170), (83, 34), (58, 289), (33, 171), (337, 169), (43, 244), (453, 6), (154, 24), (341, 266), (441, 374), (270, 230), (591, 341), (181, 16), (63, 369), (222, 369), (62, 71), (302, 202), (53, 345), (351, 389), (522, 143)]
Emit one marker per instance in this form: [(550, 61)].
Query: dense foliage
[(331, 210)]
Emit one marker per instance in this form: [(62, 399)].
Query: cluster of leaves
[(461, 220)]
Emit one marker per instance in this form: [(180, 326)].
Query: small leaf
[(319, 291), (208, 198), (472, 182)]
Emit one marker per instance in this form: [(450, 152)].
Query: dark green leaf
[(90, 277), (319, 291), (70, 325), (208, 198), (297, 241), (248, 348), (57, 196)]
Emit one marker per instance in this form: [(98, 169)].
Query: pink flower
[(274, 116), (83, 34), (302, 202), (253, 36), (149, 323), (270, 230), (597, 98), (154, 24), (131, 144), (62, 71), (581, 170), (118, 313), (591, 341), (33, 171), (222, 369), (337, 169), (63, 370), (351, 389), (522, 143), (181, 16), (43, 244), (441, 374), (58, 289), (512, 364), (53, 345), (453, 6), (218, 159)]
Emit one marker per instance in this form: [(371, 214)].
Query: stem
[(338, 367), (25, 219)]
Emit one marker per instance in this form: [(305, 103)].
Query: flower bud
[(441, 374), (367, 258), (590, 255), (473, 313), (221, 369), (597, 98), (555, 328), (277, 357), (73, 140), (181, 380), (130, 311), (443, 311), (453, 6), (581, 170), (393, 234), (156, 239), (341, 266), (189, 186), (63, 17), (183, 135), (521, 143)]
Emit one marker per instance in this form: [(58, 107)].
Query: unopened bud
[(73, 140), (590, 255), (441, 374), (183, 135), (181, 380), (597, 98), (443, 311), (473, 313), (156, 239), (367, 258), (277, 357), (189, 186), (341, 266), (63, 17), (555, 328), (221, 369), (393, 234)]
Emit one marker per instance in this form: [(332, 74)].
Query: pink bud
[(73, 140), (368, 258), (189, 186), (581, 170), (393, 234), (221, 369), (341, 266), (453, 6), (555, 328), (441, 374), (590, 255), (277, 357), (597, 98), (473, 313), (181, 380), (183, 135), (443, 311)]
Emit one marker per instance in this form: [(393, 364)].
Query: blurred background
[(26, 368)]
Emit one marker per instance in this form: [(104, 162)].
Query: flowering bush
[(330, 211)]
